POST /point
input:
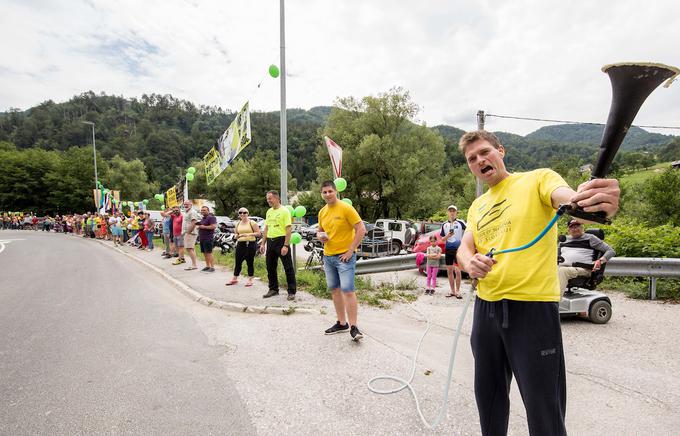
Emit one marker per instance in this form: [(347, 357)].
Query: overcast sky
[(521, 57)]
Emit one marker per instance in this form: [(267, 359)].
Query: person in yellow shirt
[(516, 323), (276, 237), (341, 231)]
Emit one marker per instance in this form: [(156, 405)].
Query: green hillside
[(636, 138)]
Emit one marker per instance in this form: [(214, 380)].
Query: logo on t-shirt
[(493, 214)]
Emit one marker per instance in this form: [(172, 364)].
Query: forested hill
[(636, 138), (167, 133)]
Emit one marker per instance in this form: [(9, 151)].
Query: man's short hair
[(274, 193), (328, 183), (477, 135)]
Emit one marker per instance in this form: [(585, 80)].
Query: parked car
[(423, 227), (424, 241), (400, 233)]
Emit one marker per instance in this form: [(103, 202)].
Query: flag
[(229, 145), (335, 153)]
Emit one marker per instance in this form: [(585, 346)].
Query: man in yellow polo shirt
[(341, 230), (516, 324), (276, 236)]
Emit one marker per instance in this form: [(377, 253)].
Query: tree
[(662, 195), (71, 181), (130, 179), (392, 165)]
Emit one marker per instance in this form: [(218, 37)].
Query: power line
[(574, 122)]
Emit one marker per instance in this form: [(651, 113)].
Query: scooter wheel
[(600, 312)]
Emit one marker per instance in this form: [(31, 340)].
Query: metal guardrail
[(652, 267)]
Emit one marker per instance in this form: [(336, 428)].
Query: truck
[(400, 234)]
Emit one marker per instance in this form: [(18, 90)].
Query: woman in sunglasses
[(247, 231)]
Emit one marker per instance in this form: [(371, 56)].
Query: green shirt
[(276, 221)]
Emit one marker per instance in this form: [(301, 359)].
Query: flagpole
[(284, 143)]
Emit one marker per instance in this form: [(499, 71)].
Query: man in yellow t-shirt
[(276, 237), (516, 325), (341, 230)]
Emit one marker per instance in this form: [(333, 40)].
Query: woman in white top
[(247, 231)]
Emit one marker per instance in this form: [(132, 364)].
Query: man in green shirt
[(276, 237)]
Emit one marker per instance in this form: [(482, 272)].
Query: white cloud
[(525, 58)]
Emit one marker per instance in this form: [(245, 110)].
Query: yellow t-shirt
[(243, 228), (512, 214), (338, 222), (134, 223), (277, 220)]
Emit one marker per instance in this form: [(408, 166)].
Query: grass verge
[(314, 282)]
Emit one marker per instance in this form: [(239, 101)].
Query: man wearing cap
[(452, 232), (579, 248)]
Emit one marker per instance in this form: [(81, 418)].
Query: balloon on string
[(347, 200), (291, 210), (191, 170), (340, 184), (295, 238), (123, 203), (190, 177), (145, 201), (274, 71), (300, 211)]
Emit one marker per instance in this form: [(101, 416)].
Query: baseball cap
[(452, 207), (573, 223)]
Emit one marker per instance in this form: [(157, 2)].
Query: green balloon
[(291, 210), (145, 202), (300, 211), (191, 170), (347, 200), (190, 177), (274, 71), (123, 203), (295, 238), (340, 184)]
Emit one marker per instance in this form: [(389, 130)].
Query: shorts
[(206, 246), (116, 231), (450, 256), (179, 241), (340, 274), (190, 240)]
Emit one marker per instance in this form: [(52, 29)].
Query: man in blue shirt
[(452, 233), (167, 233)]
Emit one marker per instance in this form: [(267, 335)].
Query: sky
[(524, 58)]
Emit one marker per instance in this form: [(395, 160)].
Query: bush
[(631, 238)]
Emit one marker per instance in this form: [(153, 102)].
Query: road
[(94, 344)]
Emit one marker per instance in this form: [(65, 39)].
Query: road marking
[(6, 241)]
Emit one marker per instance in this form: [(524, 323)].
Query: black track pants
[(274, 246), (525, 339)]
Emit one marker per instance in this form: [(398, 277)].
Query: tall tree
[(392, 165)]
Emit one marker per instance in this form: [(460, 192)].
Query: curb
[(211, 302)]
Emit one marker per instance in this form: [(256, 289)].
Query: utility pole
[(284, 140), (481, 118)]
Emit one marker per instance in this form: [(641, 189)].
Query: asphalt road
[(92, 343)]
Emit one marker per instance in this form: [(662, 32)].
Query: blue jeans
[(149, 236), (339, 274)]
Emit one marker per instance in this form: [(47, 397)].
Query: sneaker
[(175, 255), (270, 294), (205, 269), (179, 261), (167, 256), (291, 297), (337, 328), (211, 269), (355, 333)]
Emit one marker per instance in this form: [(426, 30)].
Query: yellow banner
[(171, 197), (212, 165)]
